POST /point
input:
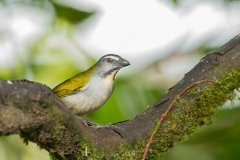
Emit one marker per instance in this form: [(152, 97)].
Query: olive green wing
[(67, 88), (72, 85)]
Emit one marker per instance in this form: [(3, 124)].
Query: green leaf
[(73, 15)]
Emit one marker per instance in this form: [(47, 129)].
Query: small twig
[(165, 114)]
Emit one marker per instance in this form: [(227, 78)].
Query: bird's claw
[(89, 123)]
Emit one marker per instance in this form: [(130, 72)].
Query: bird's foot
[(88, 123), (95, 125)]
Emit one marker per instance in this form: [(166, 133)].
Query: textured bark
[(33, 111)]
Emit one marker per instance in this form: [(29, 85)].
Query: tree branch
[(33, 111)]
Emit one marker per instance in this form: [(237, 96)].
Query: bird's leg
[(88, 123), (81, 118), (95, 125)]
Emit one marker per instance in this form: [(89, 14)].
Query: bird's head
[(110, 64)]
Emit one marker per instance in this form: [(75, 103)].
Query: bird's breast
[(95, 94)]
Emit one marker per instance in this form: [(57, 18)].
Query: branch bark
[(33, 111)]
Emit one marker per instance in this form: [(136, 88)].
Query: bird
[(89, 90)]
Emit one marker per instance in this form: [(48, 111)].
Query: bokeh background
[(49, 41)]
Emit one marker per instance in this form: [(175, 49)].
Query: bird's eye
[(109, 60)]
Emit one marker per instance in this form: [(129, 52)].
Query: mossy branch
[(33, 111)]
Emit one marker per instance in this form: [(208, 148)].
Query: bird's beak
[(123, 63)]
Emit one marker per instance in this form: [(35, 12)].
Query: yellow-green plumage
[(74, 84)]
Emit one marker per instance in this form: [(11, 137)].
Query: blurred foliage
[(175, 1), (12, 148), (45, 59), (70, 14), (231, 0)]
